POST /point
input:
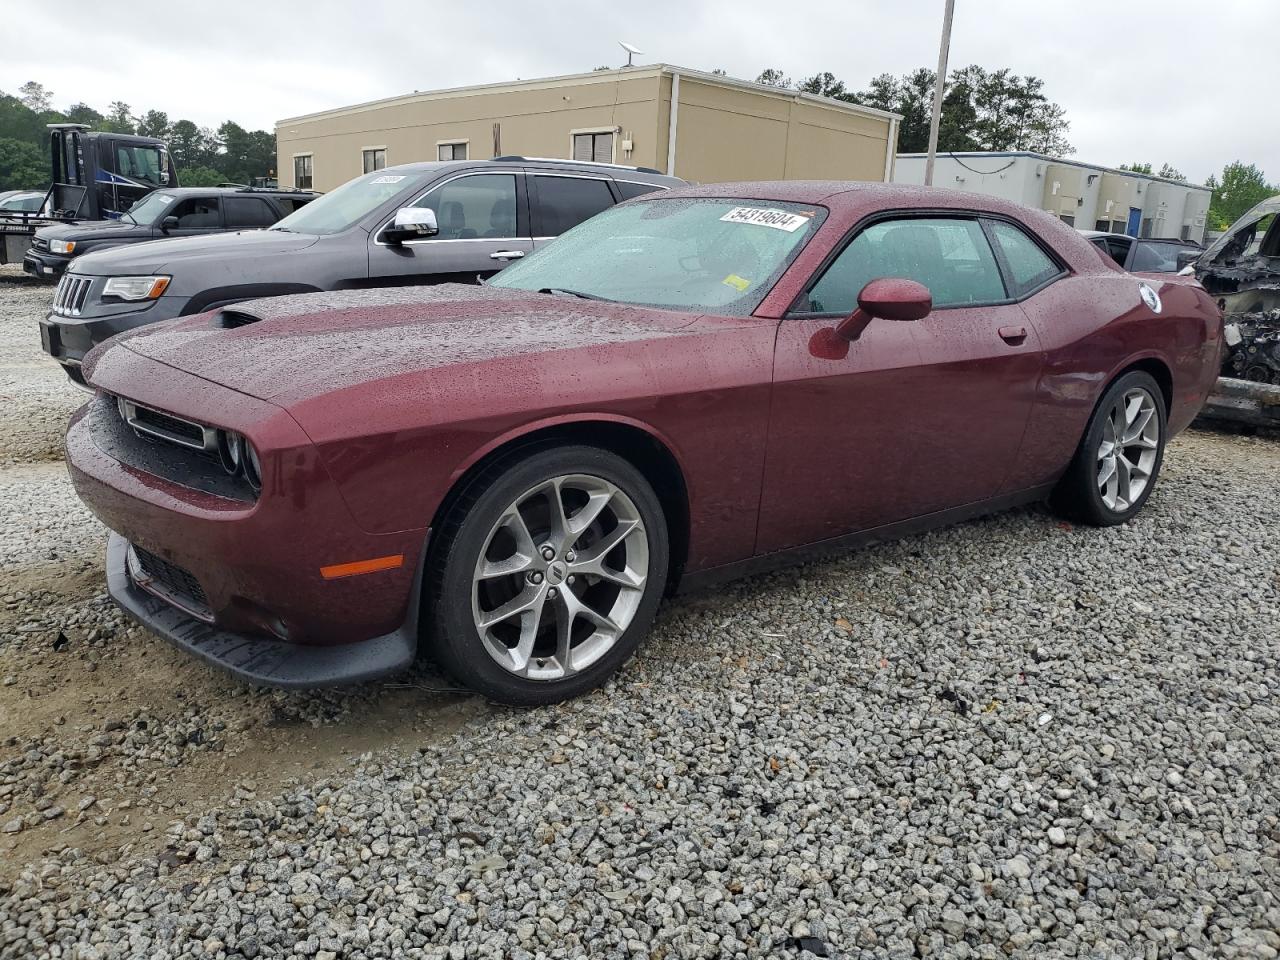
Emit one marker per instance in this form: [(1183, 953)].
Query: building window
[(1186, 231), (375, 159), (451, 150), (593, 147), (1068, 219), (302, 172), (1103, 226)]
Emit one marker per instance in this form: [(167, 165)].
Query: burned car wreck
[(1241, 271)]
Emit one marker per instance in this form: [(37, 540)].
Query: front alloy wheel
[(561, 576), (545, 574)]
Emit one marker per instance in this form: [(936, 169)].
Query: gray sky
[(1134, 77)]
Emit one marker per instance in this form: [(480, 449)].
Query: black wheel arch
[(638, 447), (223, 296)]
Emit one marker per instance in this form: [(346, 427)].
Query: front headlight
[(62, 246), (135, 288)]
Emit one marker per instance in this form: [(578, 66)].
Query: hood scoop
[(232, 318)]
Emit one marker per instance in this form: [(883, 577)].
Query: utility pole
[(939, 83)]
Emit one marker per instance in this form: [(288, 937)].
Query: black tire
[(452, 636), (1079, 495)]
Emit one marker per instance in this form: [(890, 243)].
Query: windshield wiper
[(563, 291)]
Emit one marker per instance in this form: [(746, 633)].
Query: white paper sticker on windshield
[(386, 179), (778, 219)]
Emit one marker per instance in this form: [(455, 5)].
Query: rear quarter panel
[(702, 391), (1093, 326)]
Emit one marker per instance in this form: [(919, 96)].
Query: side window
[(197, 213), (250, 212), (564, 202), (1029, 266), (139, 163), (302, 172), (478, 207), (949, 256), (374, 159), (630, 189), (1157, 257)]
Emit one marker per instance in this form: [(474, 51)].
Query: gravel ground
[(1010, 738)]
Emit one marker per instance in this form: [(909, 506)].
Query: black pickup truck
[(178, 212)]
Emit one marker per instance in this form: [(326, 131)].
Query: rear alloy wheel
[(1116, 465), (565, 557)]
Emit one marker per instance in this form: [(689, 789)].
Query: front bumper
[(265, 609), (45, 265), (259, 660), (67, 339)]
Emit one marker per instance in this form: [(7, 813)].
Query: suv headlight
[(61, 246), (135, 288)]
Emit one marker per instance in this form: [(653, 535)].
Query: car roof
[(233, 191), (858, 196), (614, 170)]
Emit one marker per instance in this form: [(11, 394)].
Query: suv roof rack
[(584, 163)]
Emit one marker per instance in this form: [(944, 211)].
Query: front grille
[(69, 297), (170, 582), (145, 417), (40, 243), (158, 425)]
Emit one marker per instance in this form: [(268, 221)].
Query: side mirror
[(1187, 258), (889, 298), (168, 223), (411, 223)]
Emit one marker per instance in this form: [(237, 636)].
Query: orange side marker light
[(338, 570)]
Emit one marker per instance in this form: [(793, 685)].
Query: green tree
[(188, 144), (981, 110), (824, 85), (1136, 167), (200, 177), (118, 119), (35, 97), (22, 166), (154, 123), (83, 113), (773, 78), (1240, 187), (1169, 172)]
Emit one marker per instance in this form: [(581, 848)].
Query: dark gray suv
[(411, 224)]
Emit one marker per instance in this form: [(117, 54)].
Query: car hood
[(93, 230), (1255, 214), (290, 349), (166, 255)]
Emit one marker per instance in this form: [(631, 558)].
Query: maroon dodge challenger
[(689, 386)]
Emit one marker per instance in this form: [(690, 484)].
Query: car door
[(913, 417), (560, 201), (481, 216), (196, 216), (248, 213)]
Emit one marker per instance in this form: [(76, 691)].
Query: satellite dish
[(631, 50)]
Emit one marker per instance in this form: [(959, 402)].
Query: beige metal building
[(699, 126)]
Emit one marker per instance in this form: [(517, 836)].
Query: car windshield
[(146, 212), (347, 205), (1159, 257), (680, 252)]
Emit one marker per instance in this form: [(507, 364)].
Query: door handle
[(1013, 335), (507, 255)]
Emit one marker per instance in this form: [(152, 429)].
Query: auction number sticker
[(386, 179), (763, 217)]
